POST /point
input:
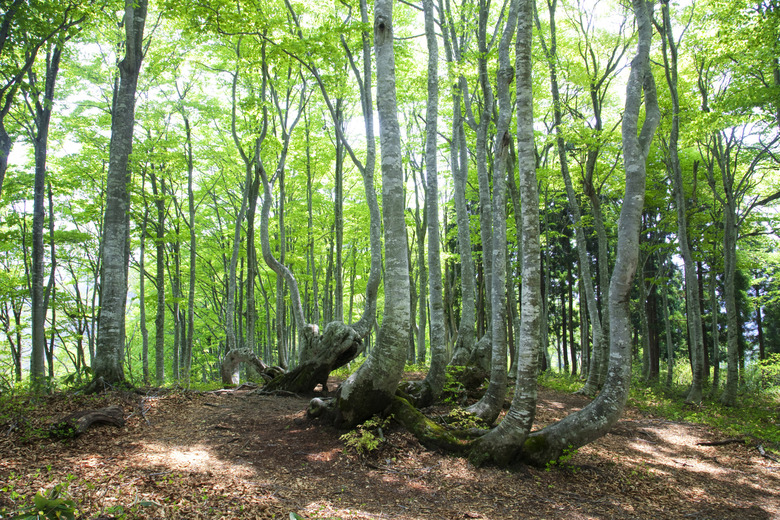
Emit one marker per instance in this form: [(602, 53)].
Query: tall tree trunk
[(459, 161), (593, 421), (729, 397), (692, 301), (177, 296), (193, 249), (714, 332), (41, 107), (669, 341), (49, 293), (594, 381), (142, 298), (483, 175), (565, 324), (760, 326), (371, 388), (502, 444), (572, 320), (109, 350), (338, 311), (161, 261), (491, 404), (251, 262), (422, 292), (281, 304)]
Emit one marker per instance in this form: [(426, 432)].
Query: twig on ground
[(766, 455), (721, 443)]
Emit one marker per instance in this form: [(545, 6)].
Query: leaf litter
[(242, 455)]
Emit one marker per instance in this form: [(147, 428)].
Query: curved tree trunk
[(598, 417), (594, 382), (502, 443), (491, 404), (371, 389), (340, 343)]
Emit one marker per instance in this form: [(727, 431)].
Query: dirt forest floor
[(238, 455)]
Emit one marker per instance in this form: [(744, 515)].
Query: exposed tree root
[(77, 423), (245, 355), (430, 434)]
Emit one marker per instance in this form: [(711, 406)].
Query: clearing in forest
[(239, 454)]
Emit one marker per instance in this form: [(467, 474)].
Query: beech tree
[(595, 419), (267, 107), (109, 351), (371, 388)]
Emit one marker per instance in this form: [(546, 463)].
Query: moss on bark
[(429, 433)]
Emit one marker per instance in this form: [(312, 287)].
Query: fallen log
[(77, 423)]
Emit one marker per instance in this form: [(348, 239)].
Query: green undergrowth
[(755, 418), (562, 382)]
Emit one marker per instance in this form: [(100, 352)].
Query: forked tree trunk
[(502, 443), (598, 417)]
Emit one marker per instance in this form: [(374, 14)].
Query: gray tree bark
[(436, 376), (159, 319), (466, 338), (594, 381), (229, 372), (193, 245), (491, 404), (41, 106), (109, 349), (503, 443), (597, 418), (692, 302), (371, 388)]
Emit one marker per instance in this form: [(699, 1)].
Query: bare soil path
[(242, 455)]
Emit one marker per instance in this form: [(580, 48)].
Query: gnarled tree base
[(336, 347), (245, 355)]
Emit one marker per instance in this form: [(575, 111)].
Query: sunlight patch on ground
[(325, 509), (323, 456), (198, 457)]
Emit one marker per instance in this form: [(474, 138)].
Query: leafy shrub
[(463, 420), (764, 376), (368, 436)]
